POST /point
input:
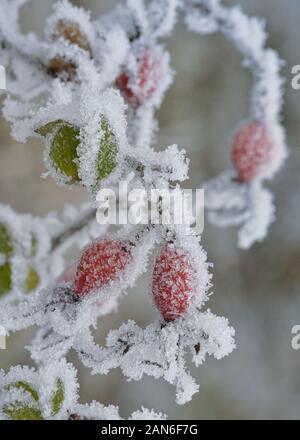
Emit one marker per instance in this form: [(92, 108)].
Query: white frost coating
[(157, 20), (121, 73), (248, 206), (147, 414), (261, 215), (159, 349)]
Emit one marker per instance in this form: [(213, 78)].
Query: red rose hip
[(100, 264), (251, 150), (174, 282), (138, 87)]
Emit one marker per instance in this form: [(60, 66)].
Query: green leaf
[(6, 247), (5, 279), (63, 151), (32, 280), (50, 128), (58, 397), (24, 386), (20, 411), (107, 159)]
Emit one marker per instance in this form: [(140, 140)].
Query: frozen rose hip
[(174, 282), (100, 264), (251, 150), (139, 86)]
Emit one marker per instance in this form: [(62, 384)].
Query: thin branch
[(73, 229)]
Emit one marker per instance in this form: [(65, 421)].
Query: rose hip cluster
[(174, 279), (138, 81)]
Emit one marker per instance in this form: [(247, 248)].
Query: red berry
[(123, 85), (140, 86), (251, 150), (174, 282), (100, 264)]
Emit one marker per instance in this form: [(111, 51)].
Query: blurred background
[(258, 290)]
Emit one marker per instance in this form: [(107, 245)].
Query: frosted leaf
[(24, 244), (50, 392), (111, 107)]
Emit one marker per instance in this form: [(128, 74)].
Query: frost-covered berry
[(100, 264), (63, 154), (72, 33), (251, 150), (139, 84), (174, 281)]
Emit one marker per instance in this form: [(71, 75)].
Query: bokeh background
[(258, 290)]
